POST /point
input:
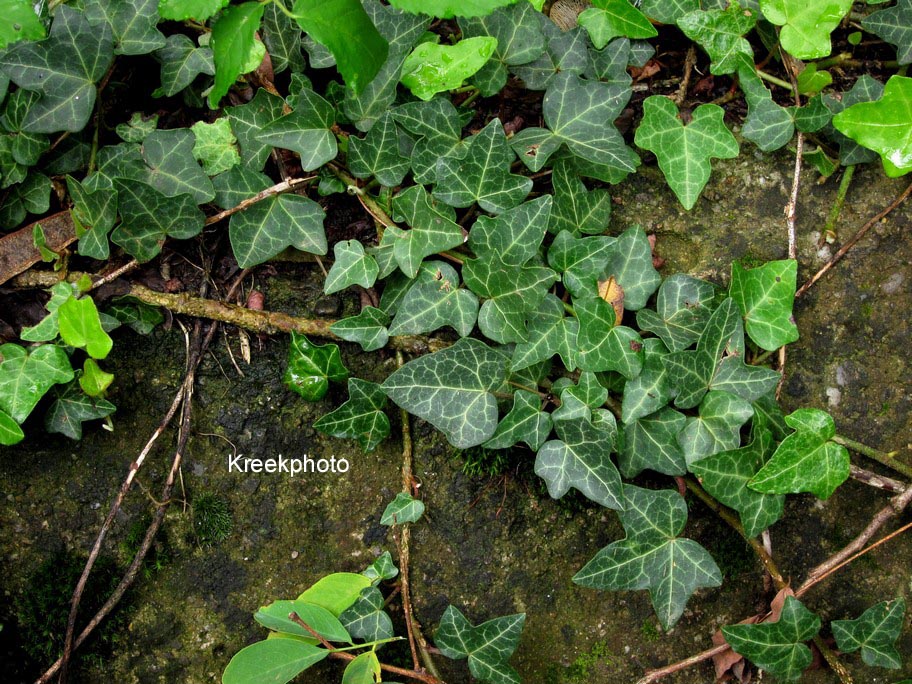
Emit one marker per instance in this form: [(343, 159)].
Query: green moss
[(650, 631), (212, 520), (160, 553), (481, 462), (581, 670)]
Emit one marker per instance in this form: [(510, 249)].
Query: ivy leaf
[(725, 476), (683, 306), (717, 428), (603, 346), (609, 19), (765, 296), (381, 569), (364, 669), (25, 376), (148, 217), (433, 229), (684, 151), (94, 214), (140, 317), (311, 367), (483, 176), (440, 129), (282, 36), (577, 209), (378, 154), (525, 422), (650, 390), (307, 131), (80, 326), (180, 10), (21, 23), (865, 89), (631, 266), (806, 26), (883, 126), (233, 39), (518, 38), (580, 458), (366, 619), (266, 228), (132, 23), (137, 128), (778, 646), (48, 328), (368, 329), (668, 11), (430, 68), (248, 121), (452, 390), (768, 124), (488, 646), (361, 417), (436, 300), (893, 25), (650, 443), (347, 31), (578, 114), (652, 556), (63, 69), (875, 632), (564, 51), (515, 235), (403, 509), (550, 332), (10, 432), (215, 146), (275, 660), (25, 148), (173, 169), (581, 260), (807, 460), (447, 9), (351, 267), (721, 34)]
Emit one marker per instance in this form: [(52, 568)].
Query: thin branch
[(277, 189), (656, 675), (886, 459), (369, 203), (887, 484)]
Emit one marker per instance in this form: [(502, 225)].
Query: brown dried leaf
[(612, 292)]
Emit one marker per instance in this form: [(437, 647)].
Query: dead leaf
[(612, 292)]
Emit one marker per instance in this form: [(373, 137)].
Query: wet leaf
[(403, 509), (80, 326), (350, 267), (368, 328), (875, 632), (311, 367), (26, 376), (488, 646), (609, 19), (233, 41), (10, 432), (432, 68), (20, 23), (765, 296), (361, 417), (806, 26), (894, 25), (179, 10)]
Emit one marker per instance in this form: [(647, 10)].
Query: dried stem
[(278, 189), (887, 484), (887, 459)]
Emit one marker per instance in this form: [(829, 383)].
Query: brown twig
[(887, 484), (277, 189), (696, 659), (689, 62)]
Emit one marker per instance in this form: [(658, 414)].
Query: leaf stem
[(884, 458), (775, 80), (829, 230), (369, 203)]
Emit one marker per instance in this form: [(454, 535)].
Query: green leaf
[(483, 175), (364, 669), (806, 26), (564, 51), (581, 260), (336, 592), (307, 131), (48, 328), (249, 120), (403, 509), (514, 237), (807, 460), (602, 346), (578, 114), (650, 443), (883, 126), (435, 300), (361, 417), (311, 367), (683, 306), (132, 23), (378, 154), (215, 146), (725, 476), (351, 267), (631, 266), (488, 646), (381, 569), (179, 10), (525, 422), (684, 152), (875, 632), (282, 36), (894, 25), (865, 89), (432, 68), (136, 130), (580, 459), (63, 69), (233, 40), (173, 169), (93, 380), (668, 11), (368, 328), (272, 661), (266, 228), (275, 617), (25, 376), (148, 217), (652, 556), (717, 428), (141, 317), (778, 646), (651, 389), (811, 81), (550, 332), (765, 296), (25, 148), (721, 34), (609, 19), (345, 28), (80, 327), (20, 23), (440, 129), (10, 432), (452, 390), (95, 214), (433, 229), (366, 619), (577, 209), (447, 9)]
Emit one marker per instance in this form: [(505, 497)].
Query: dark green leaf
[(875, 632), (525, 422), (311, 367), (173, 169), (577, 209), (721, 34), (651, 389), (716, 428), (433, 229), (564, 51), (368, 328), (266, 228), (132, 22), (378, 154), (650, 443), (894, 25), (361, 417), (765, 296), (249, 120), (631, 266), (350, 267), (403, 509), (282, 36), (436, 300), (307, 131), (95, 214), (366, 619), (440, 129), (603, 346), (683, 306), (550, 332), (488, 646)]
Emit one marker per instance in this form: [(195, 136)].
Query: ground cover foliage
[(554, 331)]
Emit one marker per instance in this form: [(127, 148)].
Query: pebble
[(327, 306)]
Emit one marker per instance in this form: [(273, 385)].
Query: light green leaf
[(366, 619), (436, 300), (631, 266), (336, 592), (10, 432), (368, 328), (650, 442), (811, 81), (273, 660), (806, 26), (577, 209), (312, 366), (364, 669), (378, 154), (778, 646), (721, 34), (550, 332), (716, 428), (403, 509), (215, 146), (137, 128), (266, 228), (275, 617), (765, 296), (232, 42), (433, 229), (345, 28), (307, 131), (652, 556), (609, 19), (80, 327), (93, 380), (525, 422), (47, 329), (351, 267), (447, 9), (432, 68), (684, 152), (63, 69), (483, 175), (179, 10), (865, 89), (683, 306), (132, 22), (173, 169), (875, 632), (580, 458), (25, 376), (452, 390), (650, 390), (361, 417), (894, 25), (249, 120), (440, 129), (20, 23), (805, 461), (94, 214), (884, 126), (488, 646)]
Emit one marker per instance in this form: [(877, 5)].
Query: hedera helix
[(570, 343)]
